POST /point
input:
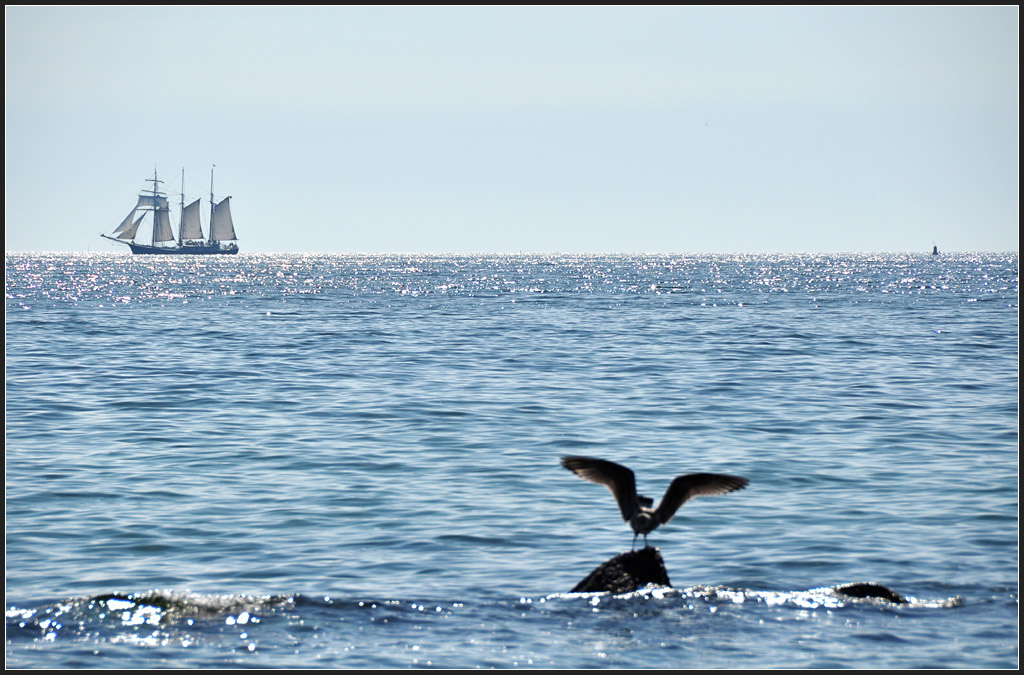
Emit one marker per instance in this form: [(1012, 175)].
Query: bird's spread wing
[(615, 477), (685, 488)]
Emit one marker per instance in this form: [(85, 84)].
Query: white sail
[(129, 232), (162, 225), (126, 224), (221, 226), (155, 201), (191, 228)]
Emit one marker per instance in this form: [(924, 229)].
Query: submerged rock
[(626, 572), (869, 589), (629, 571)]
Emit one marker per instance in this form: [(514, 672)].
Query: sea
[(352, 461)]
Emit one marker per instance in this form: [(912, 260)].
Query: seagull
[(636, 509)]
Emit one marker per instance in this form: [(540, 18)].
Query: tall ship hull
[(153, 207), (187, 249)]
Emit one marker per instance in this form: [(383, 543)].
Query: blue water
[(352, 461)]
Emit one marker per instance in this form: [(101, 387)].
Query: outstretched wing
[(685, 488), (615, 477)]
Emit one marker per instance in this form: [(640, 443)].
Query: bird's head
[(643, 522)]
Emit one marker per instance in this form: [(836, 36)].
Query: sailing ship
[(190, 241)]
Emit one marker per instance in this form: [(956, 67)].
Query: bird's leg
[(633, 547), (645, 540)]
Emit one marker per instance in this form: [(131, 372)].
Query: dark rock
[(869, 589), (626, 572)]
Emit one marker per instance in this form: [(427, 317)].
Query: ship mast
[(181, 222), (209, 238), (155, 193)]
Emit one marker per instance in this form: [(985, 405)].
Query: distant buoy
[(935, 250)]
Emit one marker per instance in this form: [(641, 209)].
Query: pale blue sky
[(534, 129)]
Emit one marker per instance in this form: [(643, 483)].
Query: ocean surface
[(339, 461)]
